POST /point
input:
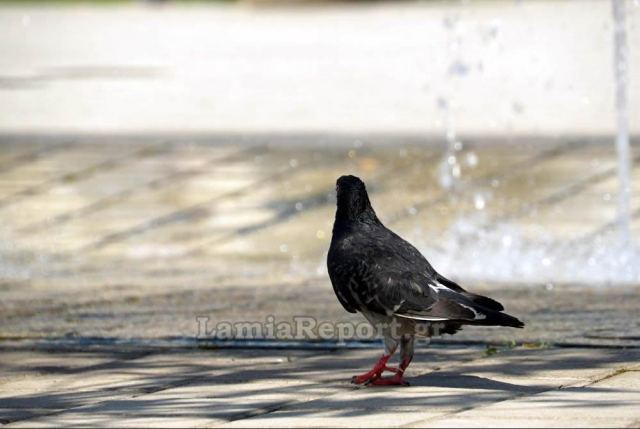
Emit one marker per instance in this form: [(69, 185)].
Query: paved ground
[(136, 239), (451, 387)]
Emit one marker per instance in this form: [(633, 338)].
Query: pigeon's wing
[(391, 282), (342, 275), (381, 273), (407, 252), (421, 297), (411, 295)]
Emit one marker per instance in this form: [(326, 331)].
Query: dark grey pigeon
[(377, 273)]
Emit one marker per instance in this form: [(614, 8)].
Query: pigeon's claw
[(395, 380)]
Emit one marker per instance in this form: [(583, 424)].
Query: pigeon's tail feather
[(485, 301), (495, 318)]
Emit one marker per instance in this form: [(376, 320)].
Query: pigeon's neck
[(349, 219)]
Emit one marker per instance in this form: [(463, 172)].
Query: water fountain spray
[(621, 72)]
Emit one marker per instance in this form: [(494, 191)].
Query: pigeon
[(375, 272)]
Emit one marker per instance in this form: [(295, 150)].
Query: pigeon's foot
[(395, 380), (362, 379), (375, 372), (368, 377)]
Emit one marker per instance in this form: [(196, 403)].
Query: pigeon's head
[(353, 201)]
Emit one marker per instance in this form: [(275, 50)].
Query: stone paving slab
[(612, 402), (50, 390), (451, 386)]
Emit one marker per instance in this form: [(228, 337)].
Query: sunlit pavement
[(125, 219), (451, 387), (136, 242)]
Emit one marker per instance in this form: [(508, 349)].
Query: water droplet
[(284, 248), (458, 68), (320, 234), (455, 171), (357, 143), (442, 103), (444, 176), (517, 107), (451, 135), (472, 159), (495, 183), (479, 202), (299, 206), (489, 31), (412, 211), (451, 160), (457, 145), (293, 162), (352, 153), (449, 22)]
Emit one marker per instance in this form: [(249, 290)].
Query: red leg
[(394, 380), (374, 373)]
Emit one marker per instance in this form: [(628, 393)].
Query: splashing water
[(450, 169), (504, 255), (621, 73)]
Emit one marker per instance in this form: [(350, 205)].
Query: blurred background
[(166, 159)]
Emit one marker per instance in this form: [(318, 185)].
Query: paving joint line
[(578, 384), (124, 194), (81, 174), (177, 383), (502, 173), (319, 200), (32, 156), (172, 217)]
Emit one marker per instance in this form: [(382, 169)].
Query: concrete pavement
[(451, 387), (135, 238)]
